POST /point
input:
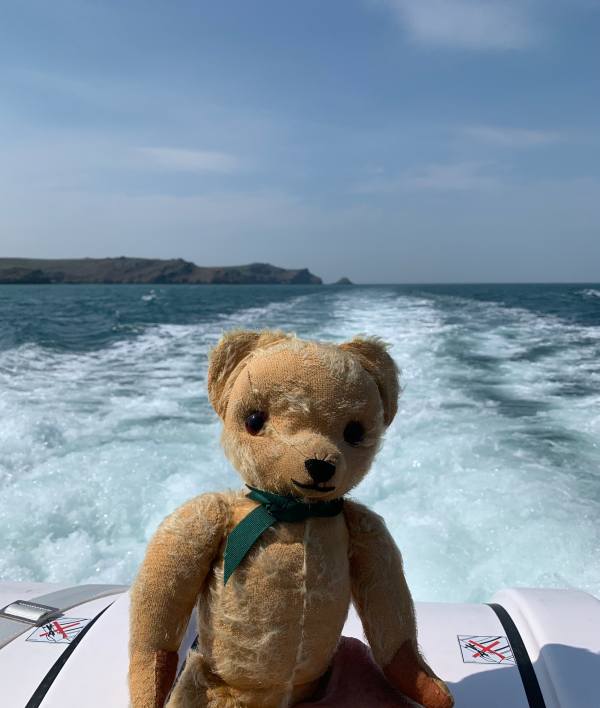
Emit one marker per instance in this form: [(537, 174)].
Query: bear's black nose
[(320, 470)]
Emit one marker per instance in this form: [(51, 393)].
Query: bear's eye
[(354, 433), (255, 422)]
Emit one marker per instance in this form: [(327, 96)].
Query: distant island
[(146, 270)]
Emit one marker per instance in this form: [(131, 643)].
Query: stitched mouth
[(313, 487)]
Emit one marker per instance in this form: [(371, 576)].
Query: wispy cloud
[(179, 160), (467, 24), (457, 176), (511, 137), (443, 177)]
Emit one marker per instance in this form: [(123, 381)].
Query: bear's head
[(301, 417)]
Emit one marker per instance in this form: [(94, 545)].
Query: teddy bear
[(272, 570)]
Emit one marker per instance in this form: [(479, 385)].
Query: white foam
[(488, 464), (98, 447), (149, 297)]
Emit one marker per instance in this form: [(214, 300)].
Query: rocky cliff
[(146, 270)]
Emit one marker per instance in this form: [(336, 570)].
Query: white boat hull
[(466, 644)]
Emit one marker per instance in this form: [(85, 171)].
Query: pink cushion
[(356, 682)]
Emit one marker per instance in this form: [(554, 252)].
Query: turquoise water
[(489, 476)]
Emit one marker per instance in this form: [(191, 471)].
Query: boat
[(66, 647)]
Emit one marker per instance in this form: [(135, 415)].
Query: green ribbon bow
[(273, 508)]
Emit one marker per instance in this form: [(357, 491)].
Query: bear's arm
[(177, 561), (384, 604)]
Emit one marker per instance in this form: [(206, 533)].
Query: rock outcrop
[(146, 270)]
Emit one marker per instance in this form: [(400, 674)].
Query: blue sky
[(385, 140)]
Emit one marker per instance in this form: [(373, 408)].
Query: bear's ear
[(373, 357), (226, 359)]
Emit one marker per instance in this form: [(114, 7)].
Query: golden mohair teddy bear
[(272, 571)]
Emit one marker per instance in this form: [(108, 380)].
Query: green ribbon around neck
[(273, 508)]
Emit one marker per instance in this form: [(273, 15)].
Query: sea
[(489, 477)]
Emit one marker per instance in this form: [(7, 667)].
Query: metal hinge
[(33, 613)]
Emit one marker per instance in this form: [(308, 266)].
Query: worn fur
[(267, 638)]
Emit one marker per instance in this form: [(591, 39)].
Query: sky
[(383, 140)]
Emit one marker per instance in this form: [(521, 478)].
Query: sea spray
[(489, 476)]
